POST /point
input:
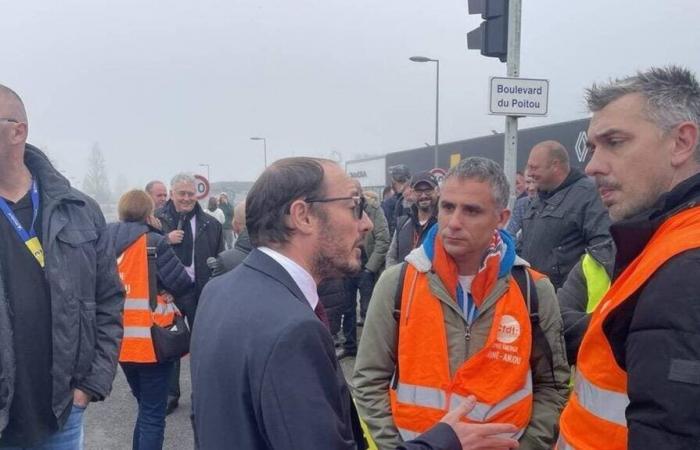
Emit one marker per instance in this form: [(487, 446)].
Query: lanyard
[(470, 313), (28, 237)]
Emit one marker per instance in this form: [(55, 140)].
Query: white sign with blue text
[(518, 96)]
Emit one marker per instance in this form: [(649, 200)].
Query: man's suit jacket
[(264, 371)]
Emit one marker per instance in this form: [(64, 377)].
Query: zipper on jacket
[(468, 334)]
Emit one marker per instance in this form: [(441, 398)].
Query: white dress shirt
[(301, 277)]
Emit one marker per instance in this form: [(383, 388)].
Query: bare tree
[(96, 183)]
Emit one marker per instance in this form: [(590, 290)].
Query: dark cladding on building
[(372, 173), (571, 134)]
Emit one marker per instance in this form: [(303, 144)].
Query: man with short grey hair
[(637, 384), (194, 236), (564, 219), (457, 318)]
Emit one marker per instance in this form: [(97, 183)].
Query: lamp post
[(423, 59), (264, 146), (207, 166)]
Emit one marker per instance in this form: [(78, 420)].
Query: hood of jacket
[(497, 262), (123, 234)]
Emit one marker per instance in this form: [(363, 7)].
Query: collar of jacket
[(263, 263), (632, 235), (53, 186), (604, 254), (573, 176), (168, 212)]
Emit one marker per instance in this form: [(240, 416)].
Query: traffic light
[(492, 35)]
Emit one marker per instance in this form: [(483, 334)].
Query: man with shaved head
[(566, 217), (60, 296)]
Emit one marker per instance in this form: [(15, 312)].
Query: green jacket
[(376, 242), (375, 363)]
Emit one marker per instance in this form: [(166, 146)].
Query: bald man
[(566, 216), (60, 296)]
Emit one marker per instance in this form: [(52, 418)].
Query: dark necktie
[(321, 314)]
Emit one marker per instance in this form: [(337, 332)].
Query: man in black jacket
[(566, 216), (393, 206), (264, 372), (412, 227), (195, 236), (60, 296), (644, 338)]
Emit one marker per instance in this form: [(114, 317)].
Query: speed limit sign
[(201, 186)]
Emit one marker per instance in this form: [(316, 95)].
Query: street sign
[(201, 186), (518, 96)]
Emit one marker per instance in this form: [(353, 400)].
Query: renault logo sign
[(581, 146)]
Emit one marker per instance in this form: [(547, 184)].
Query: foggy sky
[(165, 86)]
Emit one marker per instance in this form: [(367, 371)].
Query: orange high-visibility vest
[(137, 345), (594, 418), (498, 375)]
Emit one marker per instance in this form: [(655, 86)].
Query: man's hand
[(481, 436), (154, 222), (176, 236), (80, 398)]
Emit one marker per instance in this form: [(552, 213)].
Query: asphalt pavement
[(109, 425)]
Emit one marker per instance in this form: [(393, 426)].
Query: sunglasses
[(358, 199)]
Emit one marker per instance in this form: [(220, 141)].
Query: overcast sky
[(164, 86)]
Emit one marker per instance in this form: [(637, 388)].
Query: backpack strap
[(152, 253), (540, 343), (398, 295)]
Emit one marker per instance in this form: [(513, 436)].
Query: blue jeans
[(149, 384), (70, 437)]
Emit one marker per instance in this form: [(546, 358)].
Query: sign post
[(510, 151)]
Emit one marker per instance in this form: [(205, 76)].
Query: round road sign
[(201, 186)]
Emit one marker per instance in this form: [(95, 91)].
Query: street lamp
[(207, 166), (264, 146), (422, 59)]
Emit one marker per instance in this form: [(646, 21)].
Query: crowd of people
[(570, 323)]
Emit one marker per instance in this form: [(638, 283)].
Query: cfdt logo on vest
[(508, 330)]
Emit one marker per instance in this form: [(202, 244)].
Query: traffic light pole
[(510, 156)]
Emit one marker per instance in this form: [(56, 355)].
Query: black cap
[(400, 173), (424, 177)]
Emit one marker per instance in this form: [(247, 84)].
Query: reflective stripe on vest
[(137, 345), (603, 403), (597, 281), (594, 417), (498, 375), (437, 399)]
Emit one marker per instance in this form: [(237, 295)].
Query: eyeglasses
[(358, 199)]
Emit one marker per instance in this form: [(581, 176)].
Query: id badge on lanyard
[(29, 238)]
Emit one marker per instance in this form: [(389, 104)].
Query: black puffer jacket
[(171, 275), (332, 294), (655, 335), (87, 297)]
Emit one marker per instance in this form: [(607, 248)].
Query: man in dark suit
[(264, 371)]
